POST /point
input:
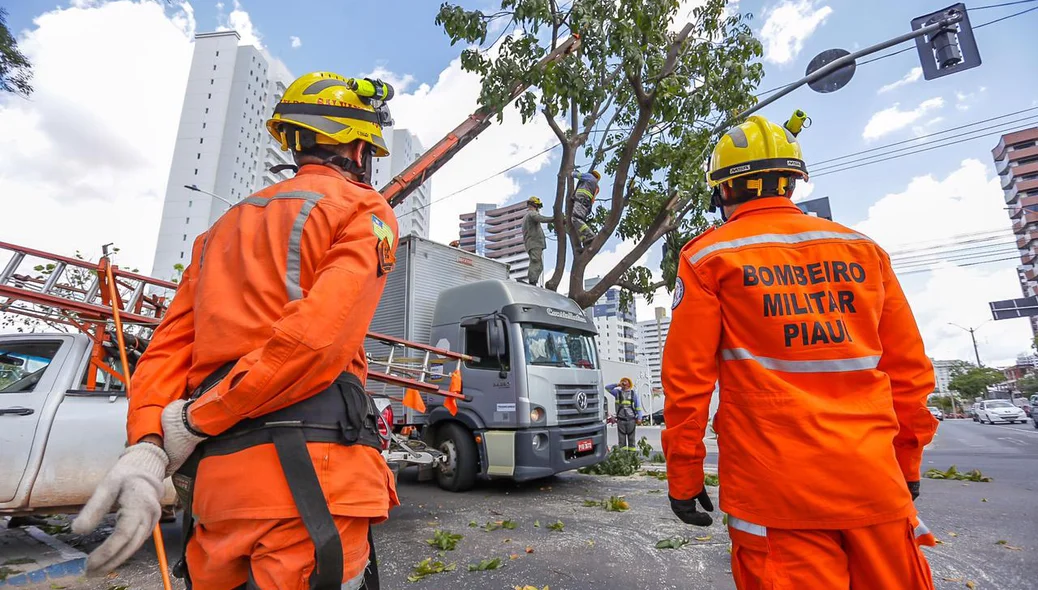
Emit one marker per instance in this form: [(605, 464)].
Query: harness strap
[(313, 509)]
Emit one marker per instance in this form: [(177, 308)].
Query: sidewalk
[(28, 556)]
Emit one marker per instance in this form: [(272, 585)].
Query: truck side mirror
[(496, 338)]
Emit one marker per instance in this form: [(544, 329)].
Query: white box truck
[(536, 404)]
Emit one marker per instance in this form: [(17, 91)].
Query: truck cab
[(536, 401)]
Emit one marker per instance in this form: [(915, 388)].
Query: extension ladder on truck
[(74, 292)]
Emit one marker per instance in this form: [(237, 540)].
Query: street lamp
[(194, 187)]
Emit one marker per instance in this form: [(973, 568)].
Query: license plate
[(585, 446)]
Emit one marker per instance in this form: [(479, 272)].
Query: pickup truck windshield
[(558, 347)]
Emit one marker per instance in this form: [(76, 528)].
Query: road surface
[(989, 530)]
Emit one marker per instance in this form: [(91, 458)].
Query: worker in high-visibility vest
[(628, 412), (823, 384), (583, 200), (251, 393)]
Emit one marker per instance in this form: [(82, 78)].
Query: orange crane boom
[(433, 159)]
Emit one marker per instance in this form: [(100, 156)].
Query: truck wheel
[(457, 472)]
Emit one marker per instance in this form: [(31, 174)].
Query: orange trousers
[(275, 553), (879, 557)]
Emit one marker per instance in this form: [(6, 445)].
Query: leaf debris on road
[(422, 569)]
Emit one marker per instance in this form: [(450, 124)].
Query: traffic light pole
[(847, 60)]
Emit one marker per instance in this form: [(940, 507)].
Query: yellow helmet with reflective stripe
[(338, 110), (756, 146), (536, 202), (626, 382)]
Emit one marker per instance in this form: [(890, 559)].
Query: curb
[(73, 562)]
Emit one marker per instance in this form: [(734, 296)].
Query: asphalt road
[(989, 530)]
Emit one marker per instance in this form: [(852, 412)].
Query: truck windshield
[(558, 347)]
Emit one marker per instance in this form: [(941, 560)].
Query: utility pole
[(973, 336), (661, 312), (194, 187)]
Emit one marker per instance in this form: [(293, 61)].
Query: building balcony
[(1012, 139), (1024, 241), (1002, 165), (1032, 274), (1010, 194), (1021, 154)]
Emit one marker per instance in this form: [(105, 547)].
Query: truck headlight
[(537, 414)]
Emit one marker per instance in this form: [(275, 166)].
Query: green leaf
[(428, 567), (556, 526), (672, 543), (711, 479), (444, 540), (485, 565)]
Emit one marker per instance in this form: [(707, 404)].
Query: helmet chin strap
[(330, 157)]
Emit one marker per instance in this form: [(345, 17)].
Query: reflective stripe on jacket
[(823, 376), (287, 281)]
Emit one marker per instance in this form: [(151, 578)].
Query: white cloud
[(240, 21), (787, 25), (892, 119), (296, 42), (966, 100), (431, 111), (913, 75), (400, 83), (85, 165), (934, 211)]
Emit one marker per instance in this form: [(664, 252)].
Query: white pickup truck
[(57, 438)]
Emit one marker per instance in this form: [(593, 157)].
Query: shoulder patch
[(384, 249), (679, 292)]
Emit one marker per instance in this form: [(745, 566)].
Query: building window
[(196, 171), (211, 81), (184, 239), (203, 125), (217, 54), (207, 110), (187, 220), (198, 156), (189, 203), (181, 255), (214, 67), (210, 95), (201, 139)]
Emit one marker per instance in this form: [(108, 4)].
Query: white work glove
[(178, 441), (136, 483)]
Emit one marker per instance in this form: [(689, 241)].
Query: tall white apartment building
[(651, 336), (616, 338), (413, 215), (222, 145)]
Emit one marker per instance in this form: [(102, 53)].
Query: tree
[(638, 100), (971, 381), (1028, 385), (15, 69)]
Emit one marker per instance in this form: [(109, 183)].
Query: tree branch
[(638, 289), (555, 127), (672, 54)]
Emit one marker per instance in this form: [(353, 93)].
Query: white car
[(999, 410)]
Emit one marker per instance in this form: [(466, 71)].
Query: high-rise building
[(222, 144), (497, 232), (1016, 161), (616, 338), (413, 215), (942, 372), (651, 336)]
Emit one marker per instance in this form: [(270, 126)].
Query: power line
[(975, 8), (856, 164), (971, 250), (942, 132), (916, 271), (909, 150), (951, 240), (1009, 16)]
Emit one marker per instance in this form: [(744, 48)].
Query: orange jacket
[(823, 378), (286, 282)]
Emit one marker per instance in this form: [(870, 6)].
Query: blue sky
[(930, 196)]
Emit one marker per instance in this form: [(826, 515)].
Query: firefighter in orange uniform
[(822, 417), (251, 393)]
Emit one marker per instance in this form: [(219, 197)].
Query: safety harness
[(344, 414), (625, 403)]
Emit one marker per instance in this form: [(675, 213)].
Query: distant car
[(936, 412), (975, 411), (999, 410)]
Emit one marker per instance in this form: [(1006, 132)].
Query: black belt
[(343, 414)]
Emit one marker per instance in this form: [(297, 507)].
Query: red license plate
[(585, 446)]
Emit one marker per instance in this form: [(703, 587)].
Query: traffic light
[(951, 48)]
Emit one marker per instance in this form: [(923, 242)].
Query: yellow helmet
[(536, 202), (626, 381), (756, 146), (597, 174), (338, 110)]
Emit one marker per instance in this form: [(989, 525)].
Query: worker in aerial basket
[(267, 326), (823, 383), (628, 411), (533, 239)]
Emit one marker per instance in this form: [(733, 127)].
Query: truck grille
[(571, 412)]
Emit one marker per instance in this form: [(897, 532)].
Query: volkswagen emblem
[(581, 399)]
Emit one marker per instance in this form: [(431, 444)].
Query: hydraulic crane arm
[(428, 163)]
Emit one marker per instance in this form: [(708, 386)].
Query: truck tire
[(457, 473)]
